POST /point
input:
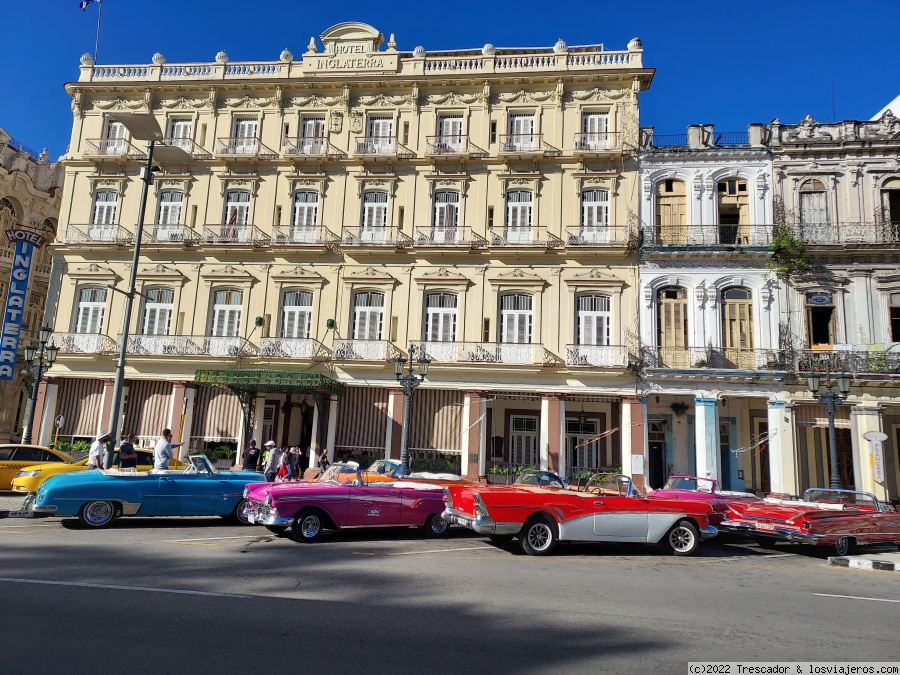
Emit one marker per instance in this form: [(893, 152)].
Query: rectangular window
[(312, 135), (405, 133), (450, 132), (368, 315), (91, 305), (521, 133), (157, 311), (445, 217), (381, 131), (440, 317), (493, 132), (226, 318), (180, 133), (518, 216), (594, 318), (237, 207), (244, 138), (523, 441), (296, 316), (103, 226), (306, 210), (516, 318), (170, 207), (374, 217), (115, 143), (595, 216), (594, 130), (895, 317)]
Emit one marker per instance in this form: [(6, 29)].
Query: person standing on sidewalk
[(323, 461), (162, 452), (95, 456), (127, 454), (272, 462), (251, 456)]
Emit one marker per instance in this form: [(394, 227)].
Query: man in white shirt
[(95, 457), (162, 453), (273, 462)]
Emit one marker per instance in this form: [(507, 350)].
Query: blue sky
[(723, 63)]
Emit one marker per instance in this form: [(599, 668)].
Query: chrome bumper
[(480, 524), (708, 532), (778, 533), (43, 510), (270, 517)]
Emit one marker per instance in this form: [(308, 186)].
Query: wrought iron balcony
[(597, 356), (597, 235), (486, 352), (847, 233), (381, 146), (447, 237), (312, 147), (296, 235), (186, 144), (522, 236), (112, 148), (98, 234), (364, 350), (84, 343), (374, 236), (597, 143), (170, 234), (293, 348), (712, 357), (453, 146), (857, 360), (525, 144), (705, 236), (247, 235), (248, 148), (190, 345)]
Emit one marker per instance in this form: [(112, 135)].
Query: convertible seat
[(119, 472)]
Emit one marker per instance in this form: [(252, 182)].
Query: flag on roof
[(84, 3)]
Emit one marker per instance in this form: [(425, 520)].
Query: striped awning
[(79, 402), (436, 420), (259, 381), (147, 409), (362, 418), (217, 415), (813, 415)]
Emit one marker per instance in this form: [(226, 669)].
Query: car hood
[(259, 492)]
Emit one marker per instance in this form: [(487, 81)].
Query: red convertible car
[(336, 501), (702, 490), (608, 509), (825, 516)]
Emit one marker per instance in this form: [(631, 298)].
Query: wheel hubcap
[(842, 545), (681, 539), (243, 511), (99, 512), (539, 537), (438, 525), (310, 526)]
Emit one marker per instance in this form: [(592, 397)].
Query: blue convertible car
[(98, 497)]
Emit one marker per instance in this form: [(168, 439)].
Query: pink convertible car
[(693, 488), (329, 503)]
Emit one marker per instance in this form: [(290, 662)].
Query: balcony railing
[(248, 235), (447, 236), (713, 357), (84, 343), (452, 146), (364, 350), (295, 235), (597, 356), (522, 236), (374, 236), (485, 352), (190, 345), (516, 144), (293, 348), (381, 146), (251, 148), (853, 361), (112, 147), (98, 234), (597, 235), (661, 236), (186, 144), (312, 147), (847, 233), (169, 234), (597, 142)]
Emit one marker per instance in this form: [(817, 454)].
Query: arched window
[(226, 313), (158, 304), (737, 326), (516, 318), (593, 319), (8, 206), (890, 206), (296, 314), (368, 315), (441, 317), (91, 305), (374, 216), (518, 216), (672, 326), (671, 212), (813, 203)]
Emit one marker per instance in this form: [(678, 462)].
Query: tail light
[(448, 498), (806, 525), (480, 508)]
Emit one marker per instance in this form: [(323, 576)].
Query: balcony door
[(91, 306), (814, 225), (523, 441), (304, 217), (296, 314), (672, 327), (237, 213), (518, 217), (374, 217), (595, 130), (593, 320), (244, 137), (381, 131), (440, 324), (595, 216), (671, 212), (446, 217), (450, 131), (115, 138), (368, 315), (737, 328), (168, 220), (180, 134), (157, 316), (516, 325), (312, 135), (521, 133), (226, 313), (102, 227)]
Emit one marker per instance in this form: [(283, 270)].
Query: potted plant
[(501, 475), (223, 457)]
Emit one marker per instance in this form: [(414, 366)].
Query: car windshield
[(202, 465), (845, 497), (386, 467), (339, 473), (608, 484), (690, 483), (541, 479)]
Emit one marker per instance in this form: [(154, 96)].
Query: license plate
[(765, 526), (251, 518)]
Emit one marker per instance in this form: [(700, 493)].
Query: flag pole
[(97, 42)]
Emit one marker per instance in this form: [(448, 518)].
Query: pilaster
[(706, 428), (634, 440), (864, 419)]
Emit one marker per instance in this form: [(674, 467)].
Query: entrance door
[(523, 441), (726, 459), (765, 480), (268, 423), (582, 453), (659, 469)]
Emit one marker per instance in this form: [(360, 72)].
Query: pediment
[(299, 273), (442, 275), (518, 276), (352, 32), (369, 274)]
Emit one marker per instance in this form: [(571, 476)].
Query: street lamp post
[(830, 400), (410, 383), (37, 367)]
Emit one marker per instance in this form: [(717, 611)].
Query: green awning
[(254, 380)]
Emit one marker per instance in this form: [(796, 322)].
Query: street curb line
[(865, 564)]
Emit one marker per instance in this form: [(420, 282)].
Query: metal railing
[(169, 234), (112, 147), (851, 360), (244, 147), (453, 146), (312, 146), (847, 233), (707, 235), (527, 143), (722, 138), (190, 345), (84, 343), (302, 235), (293, 348), (713, 357), (597, 356), (447, 236), (21, 147), (374, 236), (186, 144), (382, 146), (98, 234), (522, 236), (597, 235), (485, 352), (234, 234), (364, 350), (597, 141)]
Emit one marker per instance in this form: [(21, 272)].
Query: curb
[(865, 564)]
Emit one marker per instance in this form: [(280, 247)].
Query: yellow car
[(15, 457), (30, 477)]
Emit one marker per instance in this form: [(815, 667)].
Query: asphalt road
[(200, 596)]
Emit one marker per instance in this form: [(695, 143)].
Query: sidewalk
[(881, 558), (10, 502)]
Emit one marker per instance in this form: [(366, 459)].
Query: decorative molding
[(93, 271), (517, 276), (121, 104), (246, 102), (597, 94), (524, 96), (442, 276), (454, 98), (298, 273), (239, 182), (161, 272), (228, 273), (316, 101), (184, 103), (369, 274), (386, 100)]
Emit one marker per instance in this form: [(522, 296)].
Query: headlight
[(27, 474), (246, 493), (268, 501)]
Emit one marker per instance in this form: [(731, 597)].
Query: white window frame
[(523, 440), (374, 217), (296, 319), (312, 135), (116, 135), (226, 316), (368, 315), (450, 131), (520, 127), (90, 312), (245, 142), (157, 316), (441, 316), (379, 141), (180, 131), (595, 215), (595, 130), (169, 212), (237, 206), (593, 319), (516, 323), (304, 216), (519, 211), (445, 216), (103, 218)]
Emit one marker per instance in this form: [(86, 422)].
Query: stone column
[(550, 432), (106, 407), (332, 428), (863, 419), (473, 427), (393, 435), (782, 462), (182, 403), (258, 415), (564, 461), (45, 413), (634, 440), (706, 441)]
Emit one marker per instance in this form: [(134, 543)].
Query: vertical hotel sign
[(26, 242)]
